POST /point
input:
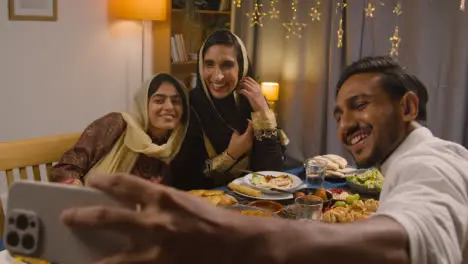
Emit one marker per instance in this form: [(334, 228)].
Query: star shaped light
[(395, 40), (274, 13), (256, 18), (315, 12), (370, 9), (397, 9), (340, 34), (238, 3), (295, 28)]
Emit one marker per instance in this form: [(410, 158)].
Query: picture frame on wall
[(32, 10)]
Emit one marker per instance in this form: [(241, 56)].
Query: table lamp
[(271, 91), (143, 10)]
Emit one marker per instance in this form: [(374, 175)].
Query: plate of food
[(337, 167), (215, 197), (266, 180), (271, 206), (250, 210), (240, 187), (365, 181)]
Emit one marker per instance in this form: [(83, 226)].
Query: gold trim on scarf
[(135, 139)]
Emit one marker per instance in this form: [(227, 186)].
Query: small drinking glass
[(309, 208), (315, 172)]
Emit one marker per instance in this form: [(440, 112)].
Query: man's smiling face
[(370, 123)]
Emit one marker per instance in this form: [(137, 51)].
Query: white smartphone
[(33, 227)]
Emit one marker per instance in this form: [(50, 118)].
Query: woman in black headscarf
[(231, 126)]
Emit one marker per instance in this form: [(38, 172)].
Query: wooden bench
[(18, 156)]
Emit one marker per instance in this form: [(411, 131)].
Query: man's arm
[(376, 240), (171, 220)]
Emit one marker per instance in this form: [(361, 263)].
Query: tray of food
[(350, 210)]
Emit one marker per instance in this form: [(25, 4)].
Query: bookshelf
[(177, 40)]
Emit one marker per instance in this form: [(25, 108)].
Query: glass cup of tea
[(315, 172), (309, 208)]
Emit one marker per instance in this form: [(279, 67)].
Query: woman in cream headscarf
[(142, 142), (232, 127)]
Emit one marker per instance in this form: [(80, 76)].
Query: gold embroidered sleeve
[(220, 163), (264, 120), (264, 124)]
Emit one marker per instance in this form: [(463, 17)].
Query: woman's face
[(220, 70), (165, 109)]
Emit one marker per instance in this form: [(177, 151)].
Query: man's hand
[(177, 227), (171, 227)]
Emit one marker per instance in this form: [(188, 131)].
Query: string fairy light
[(294, 27), (238, 3), (256, 17), (315, 11), (462, 5), (340, 6), (395, 38), (371, 7), (274, 13)]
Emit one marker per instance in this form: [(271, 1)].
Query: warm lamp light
[(139, 9), (144, 10), (270, 90)]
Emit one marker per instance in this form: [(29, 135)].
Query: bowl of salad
[(366, 181)]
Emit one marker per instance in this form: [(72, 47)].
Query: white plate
[(295, 184), (265, 196)]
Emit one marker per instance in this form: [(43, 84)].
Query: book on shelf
[(178, 49)]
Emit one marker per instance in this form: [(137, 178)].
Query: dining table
[(299, 171)]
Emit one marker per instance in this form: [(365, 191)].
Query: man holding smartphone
[(423, 214)]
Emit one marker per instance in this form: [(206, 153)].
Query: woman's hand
[(251, 89), (241, 144)]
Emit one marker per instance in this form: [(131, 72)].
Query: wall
[(56, 77)]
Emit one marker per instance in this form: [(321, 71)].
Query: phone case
[(33, 227)]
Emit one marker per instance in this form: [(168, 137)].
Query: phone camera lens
[(12, 239), (28, 242), (11, 221), (22, 222), (32, 224)]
